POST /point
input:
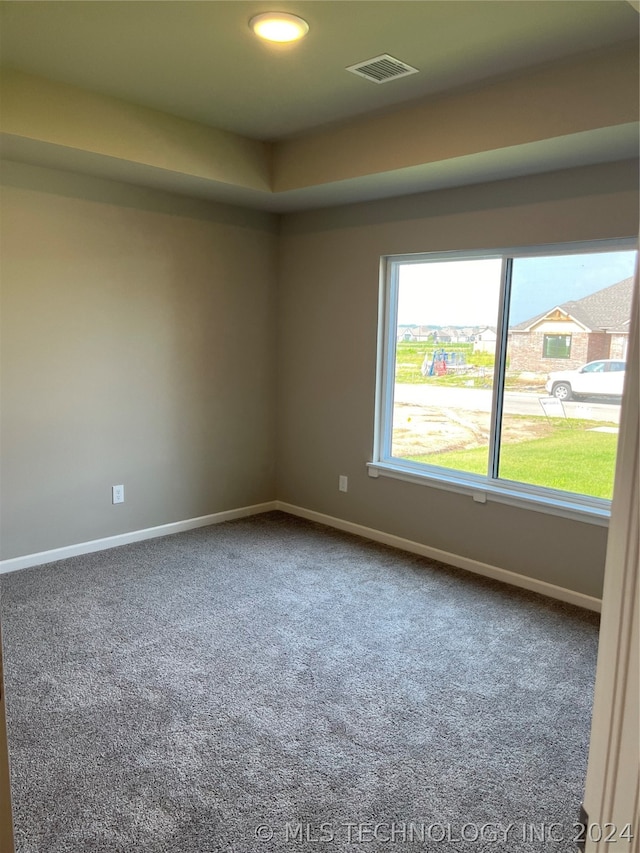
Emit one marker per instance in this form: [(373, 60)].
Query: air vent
[(380, 69)]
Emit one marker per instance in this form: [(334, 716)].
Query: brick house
[(575, 332)]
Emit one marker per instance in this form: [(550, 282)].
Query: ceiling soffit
[(574, 113)]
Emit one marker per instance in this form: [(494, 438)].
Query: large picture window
[(501, 374)]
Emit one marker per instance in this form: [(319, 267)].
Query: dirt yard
[(421, 429)]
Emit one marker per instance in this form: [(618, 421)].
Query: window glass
[(556, 346), (444, 362), (572, 447), (508, 368)]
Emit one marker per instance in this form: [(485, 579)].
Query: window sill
[(591, 511)]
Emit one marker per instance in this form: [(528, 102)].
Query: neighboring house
[(450, 335), (405, 333), (575, 332), (415, 333), (445, 334), (485, 340)]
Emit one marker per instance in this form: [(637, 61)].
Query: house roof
[(608, 309)]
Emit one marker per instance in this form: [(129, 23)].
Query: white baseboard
[(41, 557), (475, 566)]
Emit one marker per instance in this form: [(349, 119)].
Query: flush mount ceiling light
[(279, 26)]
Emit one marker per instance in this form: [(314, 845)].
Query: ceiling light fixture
[(279, 26)]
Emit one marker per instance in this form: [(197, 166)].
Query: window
[(471, 401), (557, 346)]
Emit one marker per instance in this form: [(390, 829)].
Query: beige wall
[(138, 347), (328, 312), (139, 335)]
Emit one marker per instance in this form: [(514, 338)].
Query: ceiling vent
[(382, 68)]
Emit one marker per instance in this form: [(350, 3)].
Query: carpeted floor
[(271, 685)]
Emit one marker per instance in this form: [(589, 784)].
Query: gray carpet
[(178, 694)]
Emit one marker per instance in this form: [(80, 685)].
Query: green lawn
[(573, 460), (410, 355)]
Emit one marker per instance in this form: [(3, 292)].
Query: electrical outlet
[(117, 494), (343, 483)]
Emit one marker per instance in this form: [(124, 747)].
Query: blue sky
[(541, 283), (465, 293)]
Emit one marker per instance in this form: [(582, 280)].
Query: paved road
[(516, 403)]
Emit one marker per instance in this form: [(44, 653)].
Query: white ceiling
[(199, 60)]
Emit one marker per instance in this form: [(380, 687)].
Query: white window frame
[(480, 488)]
